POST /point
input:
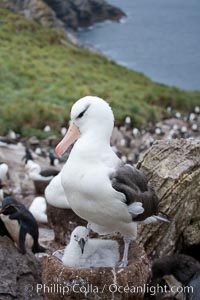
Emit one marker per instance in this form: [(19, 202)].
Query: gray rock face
[(81, 13), (19, 273), (173, 168), (65, 13), (34, 9)]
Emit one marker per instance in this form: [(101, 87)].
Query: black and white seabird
[(86, 174), (47, 128), (127, 122), (21, 225), (197, 109), (4, 171), (54, 160), (34, 170), (63, 131)]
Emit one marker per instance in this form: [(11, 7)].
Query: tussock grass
[(40, 78)]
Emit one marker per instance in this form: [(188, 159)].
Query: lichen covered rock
[(173, 168), (19, 273)]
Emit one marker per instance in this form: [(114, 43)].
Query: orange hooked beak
[(71, 136)]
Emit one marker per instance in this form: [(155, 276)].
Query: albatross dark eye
[(82, 113)]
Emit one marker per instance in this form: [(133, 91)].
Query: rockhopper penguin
[(21, 225), (3, 230)]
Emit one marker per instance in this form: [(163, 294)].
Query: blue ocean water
[(160, 38)]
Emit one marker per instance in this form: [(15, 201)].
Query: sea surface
[(160, 38)]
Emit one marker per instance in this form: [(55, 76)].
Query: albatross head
[(80, 236), (89, 115)]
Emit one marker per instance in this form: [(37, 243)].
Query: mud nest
[(63, 282)]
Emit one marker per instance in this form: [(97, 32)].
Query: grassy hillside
[(42, 74)]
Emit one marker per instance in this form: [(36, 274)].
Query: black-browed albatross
[(91, 175)]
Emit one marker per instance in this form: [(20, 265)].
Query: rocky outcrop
[(65, 13), (34, 9), (173, 168), (191, 236), (190, 242), (82, 13), (19, 273), (98, 283)]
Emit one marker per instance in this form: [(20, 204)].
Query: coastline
[(46, 73), (151, 41)]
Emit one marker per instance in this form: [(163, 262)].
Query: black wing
[(133, 183)]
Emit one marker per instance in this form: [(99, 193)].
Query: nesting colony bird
[(184, 268), (136, 132), (178, 115), (4, 171), (197, 109), (88, 173), (30, 166), (12, 135), (39, 152), (63, 131), (54, 160), (21, 225), (194, 127), (47, 128), (158, 131), (38, 209), (34, 170), (192, 117), (83, 252), (127, 122), (169, 109)]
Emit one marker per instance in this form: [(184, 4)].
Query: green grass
[(40, 79)]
